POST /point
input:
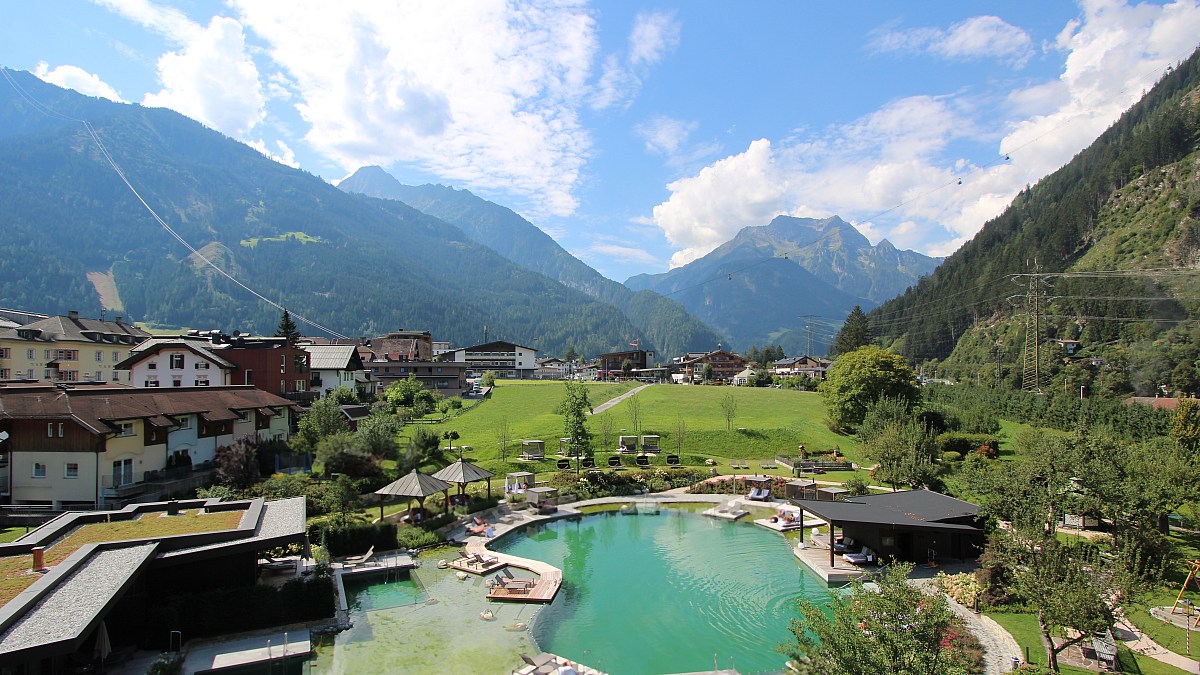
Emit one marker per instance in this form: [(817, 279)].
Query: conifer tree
[(287, 329), (855, 333)]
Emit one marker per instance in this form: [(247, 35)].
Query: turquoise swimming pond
[(666, 593), (367, 592)]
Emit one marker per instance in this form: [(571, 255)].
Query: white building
[(506, 359)]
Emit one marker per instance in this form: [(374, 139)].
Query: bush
[(857, 486), (353, 539), (951, 456), (167, 663), (964, 588), (415, 537), (963, 443)]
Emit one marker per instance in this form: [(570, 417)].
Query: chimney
[(72, 315), (118, 319), (39, 558)]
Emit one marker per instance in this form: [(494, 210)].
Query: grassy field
[(768, 421), (1024, 629)]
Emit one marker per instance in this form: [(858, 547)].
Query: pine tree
[(855, 333), (287, 329)]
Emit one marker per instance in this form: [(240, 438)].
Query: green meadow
[(767, 422)]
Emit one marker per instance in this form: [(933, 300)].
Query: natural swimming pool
[(666, 593), (641, 594)]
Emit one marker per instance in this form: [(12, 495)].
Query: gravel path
[(611, 402), (999, 646)]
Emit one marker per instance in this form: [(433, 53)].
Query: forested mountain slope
[(1126, 204), (357, 265), (1053, 226), (667, 326)]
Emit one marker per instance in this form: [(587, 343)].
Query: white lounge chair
[(863, 557)]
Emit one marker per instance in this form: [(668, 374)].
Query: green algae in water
[(667, 593), (365, 592)]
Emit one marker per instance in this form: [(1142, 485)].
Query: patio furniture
[(543, 664), (614, 461), (359, 559), (589, 463), (510, 579), (673, 460), (767, 464), (564, 464), (642, 460), (863, 557)]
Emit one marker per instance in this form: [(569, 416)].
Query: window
[(60, 429), (5, 353), (115, 376), (68, 375), (300, 384), (46, 354), (202, 382), (66, 354), (99, 376), (50, 430), (249, 377), (124, 429), (201, 365), (71, 470), (39, 470), (185, 422), (151, 383), (152, 365), (5, 374), (122, 472), (116, 356), (243, 415), (176, 361), (176, 382), (99, 356), (30, 354)]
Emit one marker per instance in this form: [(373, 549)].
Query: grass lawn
[(768, 421), (11, 534), (1024, 629)]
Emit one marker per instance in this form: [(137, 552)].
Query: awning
[(267, 412)]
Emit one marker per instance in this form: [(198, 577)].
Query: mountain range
[(770, 283), (75, 237), (666, 324)]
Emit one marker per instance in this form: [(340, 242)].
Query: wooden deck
[(549, 577), (473, 567)]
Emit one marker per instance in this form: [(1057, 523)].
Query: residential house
[(264, 362), (448, 378), (507, 359), (552, 368), (67, 349), (801, 366), (176, 362), (111, 444), (742, 378), (613, 365), (725, 365), (416, 345), (335, 366)]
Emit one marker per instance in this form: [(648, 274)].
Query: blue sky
[(640, 135)]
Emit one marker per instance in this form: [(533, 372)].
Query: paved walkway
[(611, 402), (1137, 641)]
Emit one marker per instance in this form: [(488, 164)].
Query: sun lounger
[(759, 494), (844, 545), (564, 464), (642, 460), (767, 464), (863, 557), (269, 564), (589, 463), (359, 559), (672, 460), (614, 461), (745, 465), (510, 579), (543, 664)]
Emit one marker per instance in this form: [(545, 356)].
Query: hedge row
[(964, 444), (353, 539)]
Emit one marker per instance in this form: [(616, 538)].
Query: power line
[(40, 107)]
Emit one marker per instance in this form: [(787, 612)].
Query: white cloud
[(975, 38), (620, 254), (486, 96), (654, 35), (74, 77), (166, 21), (706, 209), (213, 80), (927, 172), (282, 154), (665, 135)]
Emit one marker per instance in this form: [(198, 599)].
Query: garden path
[(611, 402)]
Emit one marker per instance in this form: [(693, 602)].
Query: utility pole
[(1031, 372), (808, 327)]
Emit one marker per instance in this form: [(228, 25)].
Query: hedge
[(353, 539)]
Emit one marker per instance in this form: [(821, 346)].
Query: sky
[(640, 135)]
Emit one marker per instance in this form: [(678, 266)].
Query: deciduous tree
[(574, 408), (729, 409), (858, 379)]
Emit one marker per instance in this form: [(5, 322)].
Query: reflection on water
[(668, 593)]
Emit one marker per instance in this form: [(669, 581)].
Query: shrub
[(962, 443), (354, 538), (857, 486), (167, 663), (950, 456), (415, 537), (964, 588)]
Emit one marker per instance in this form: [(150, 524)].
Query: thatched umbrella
[(414, 485), (463, 472)]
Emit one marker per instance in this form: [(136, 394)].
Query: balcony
[(159, 482)]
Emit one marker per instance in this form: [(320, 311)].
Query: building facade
[(67, 349), (113, 444), (508, 360)]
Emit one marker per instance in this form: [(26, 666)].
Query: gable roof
[(333, 357), (494, 345), (155, 345), (97, 408)]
